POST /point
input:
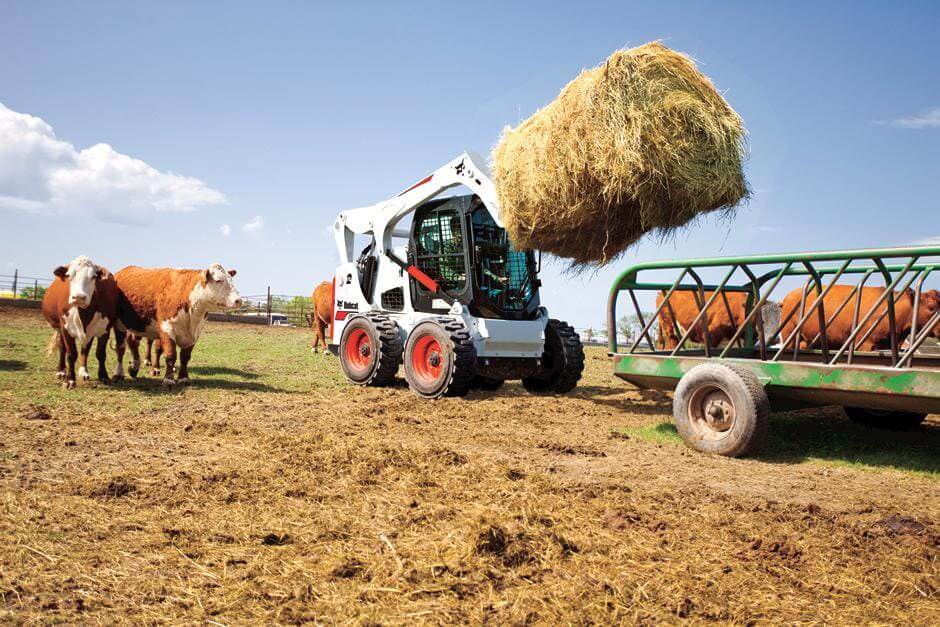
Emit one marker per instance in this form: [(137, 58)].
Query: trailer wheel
[(440, 359), (370, 350), (721, 408), (562, 361), (885, 419)]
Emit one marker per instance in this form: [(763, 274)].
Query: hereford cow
[(322, 313), (81, 305), (722, 319), (839, 330), (169, 305)]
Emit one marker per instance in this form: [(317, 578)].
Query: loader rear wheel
[(370, 350), (440, 359), (562, 361), (889, 420), (721, 408)]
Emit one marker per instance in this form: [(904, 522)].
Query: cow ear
[(232, 272), (102, 273), (208, 276), (61, 271)]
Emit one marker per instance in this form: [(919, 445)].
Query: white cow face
[(770, 313), (219, 291), (82, 275)]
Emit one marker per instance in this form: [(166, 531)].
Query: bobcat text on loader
[(449, 296)]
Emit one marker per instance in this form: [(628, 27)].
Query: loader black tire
[(562, 361), (721, 408), (370, 350), (440, 359), (888, 420)]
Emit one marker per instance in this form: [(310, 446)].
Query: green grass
[(229, 360), (827, 436)]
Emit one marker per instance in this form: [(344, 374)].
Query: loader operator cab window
[(439, 244), (506, 276)]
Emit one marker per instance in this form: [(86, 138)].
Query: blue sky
[(271, 118)]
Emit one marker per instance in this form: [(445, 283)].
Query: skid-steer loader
[(448, 296)]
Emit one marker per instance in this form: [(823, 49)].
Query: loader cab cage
[(903, 273), (458, 244)]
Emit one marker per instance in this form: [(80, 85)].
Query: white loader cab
[(448, 295)]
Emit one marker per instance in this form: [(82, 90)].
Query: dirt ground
[(272, 491)]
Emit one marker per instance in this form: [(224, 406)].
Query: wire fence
[(24, 287), (278, 309)]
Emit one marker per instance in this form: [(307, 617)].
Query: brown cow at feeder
[(169, 305), (876, 328), (81, 305), (322, 313), (722, 319)]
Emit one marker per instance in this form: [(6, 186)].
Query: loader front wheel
[(440, 359), (370, 350), (562, 361)]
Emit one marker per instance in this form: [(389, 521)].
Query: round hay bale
[(641, 143)]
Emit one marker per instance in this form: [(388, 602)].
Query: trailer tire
[(440, 359), (722, 409), (370, 350), (562, 361), (888, 420)]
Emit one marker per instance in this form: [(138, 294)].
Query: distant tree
[(33, 292), (589, 334)]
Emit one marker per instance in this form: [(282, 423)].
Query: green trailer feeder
[(726, 382)]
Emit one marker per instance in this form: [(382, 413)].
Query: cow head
[(82, 276), (929, 305), (219, 289), (769, 318)]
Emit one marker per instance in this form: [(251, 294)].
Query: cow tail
[(53, 342)]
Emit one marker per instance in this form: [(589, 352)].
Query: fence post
[(269, 305), (36, 289), (16, 274)]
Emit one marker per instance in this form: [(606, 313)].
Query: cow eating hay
[(642, 143)]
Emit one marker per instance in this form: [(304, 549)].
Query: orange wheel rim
[(427, 359), (359, 349)]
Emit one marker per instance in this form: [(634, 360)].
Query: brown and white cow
[(839, 330), (322, 313), (722, 319), (81, 305), (170, 305)]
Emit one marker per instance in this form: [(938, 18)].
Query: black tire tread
[(465, 357), (573, 354), (390, 349)]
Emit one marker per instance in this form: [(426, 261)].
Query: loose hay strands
[(641, 143)]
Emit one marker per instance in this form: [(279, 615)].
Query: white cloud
[(927, 119), (43, 174), (928, 241), (253, 226), (226, 230)]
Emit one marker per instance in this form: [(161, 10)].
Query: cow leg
[(71, 353), (83, 361), (133, 342), (119, 339), (169, 347), (101, 354), (147, 362), (185, 354), (60, 374), (157, 353), (316, 335)]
